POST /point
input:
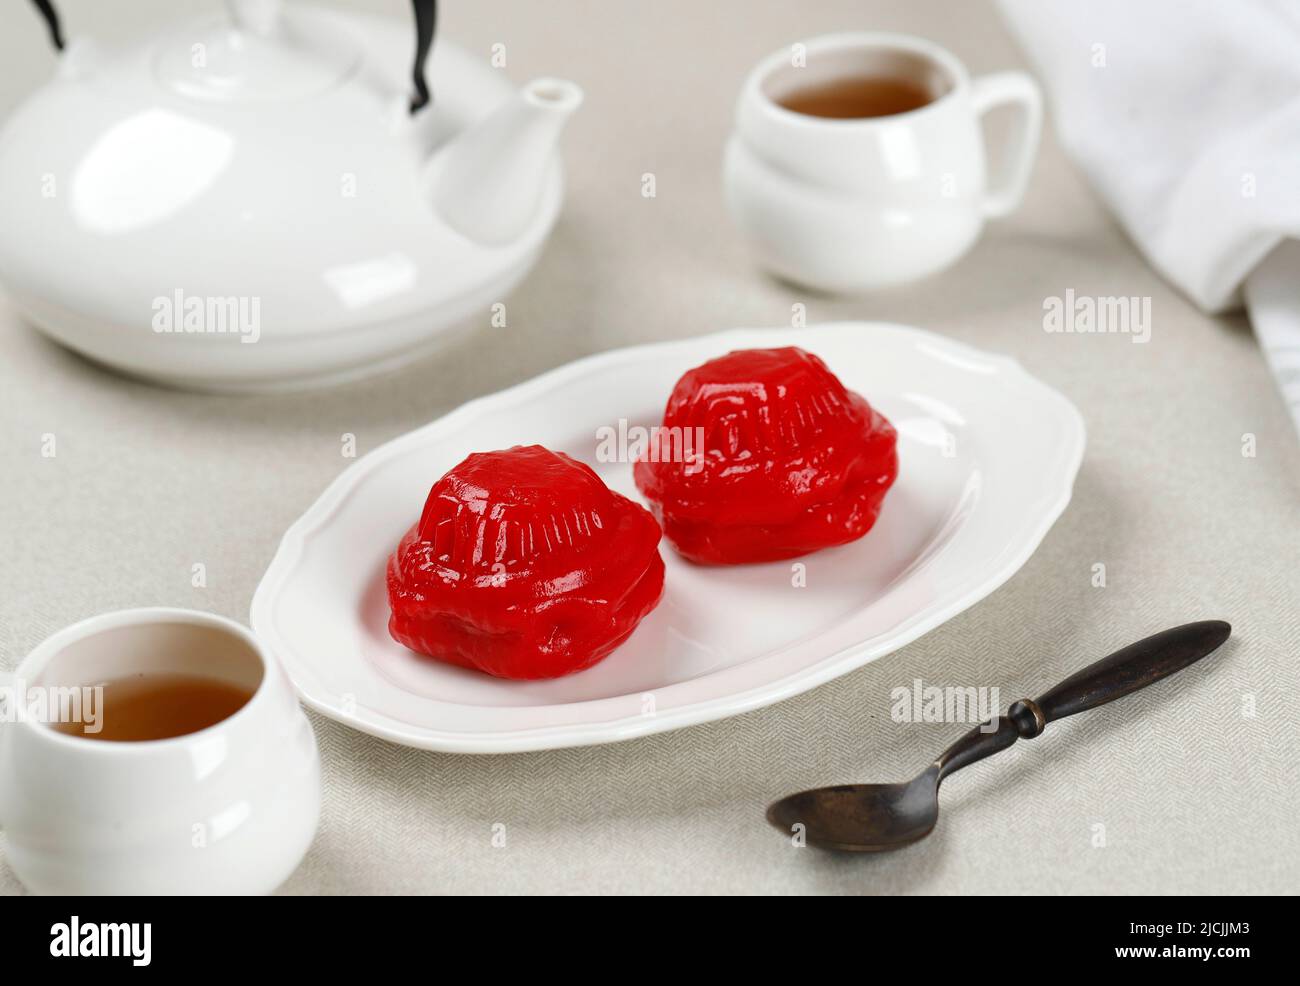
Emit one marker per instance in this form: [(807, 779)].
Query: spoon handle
[(1123, 672), (982, 741)]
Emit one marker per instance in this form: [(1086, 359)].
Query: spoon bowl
[(861, 817)]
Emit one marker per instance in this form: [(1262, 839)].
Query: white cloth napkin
[(1273, 297), (1185, 116)]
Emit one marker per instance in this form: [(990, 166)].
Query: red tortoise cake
[(792, 461), (524, 564)]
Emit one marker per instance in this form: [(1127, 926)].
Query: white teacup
[(230, 808), (867, 202)]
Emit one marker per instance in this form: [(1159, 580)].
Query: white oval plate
[(987, 453)]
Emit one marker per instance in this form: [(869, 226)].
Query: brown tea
[(854, 97), (158, 706)]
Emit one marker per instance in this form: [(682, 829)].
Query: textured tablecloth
[(1178, 789)]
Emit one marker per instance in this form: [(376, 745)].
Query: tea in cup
[(155, 751), (858, 159)]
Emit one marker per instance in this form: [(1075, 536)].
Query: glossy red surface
[(524, 564), (791, 461)]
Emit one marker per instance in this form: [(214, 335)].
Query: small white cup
[(227, 809), (857, 204)]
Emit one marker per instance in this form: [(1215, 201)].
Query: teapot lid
[(230, 63)]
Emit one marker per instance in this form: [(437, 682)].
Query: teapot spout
[(486, 183)]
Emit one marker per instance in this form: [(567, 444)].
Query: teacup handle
[(1022, 92)]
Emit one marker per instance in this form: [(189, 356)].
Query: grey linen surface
[(1178, 789)]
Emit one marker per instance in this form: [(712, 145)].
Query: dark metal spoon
[(880, 817)]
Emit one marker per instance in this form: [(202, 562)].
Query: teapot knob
[(255, 16), (78, 60)]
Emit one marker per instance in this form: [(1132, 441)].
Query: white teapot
[(257, 200)]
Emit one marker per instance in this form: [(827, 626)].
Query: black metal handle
[(426, 20), (51, 21), (1120, 674)]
